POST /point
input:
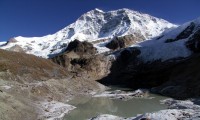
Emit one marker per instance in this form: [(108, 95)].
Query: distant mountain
[(92, 26)]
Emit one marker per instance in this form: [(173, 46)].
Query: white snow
[(118, 94), (6, 87), (91, 26), (106, 117), (2, 43), (172, 114), (154, 50), (54, 110), (101, 49), (158, 49)]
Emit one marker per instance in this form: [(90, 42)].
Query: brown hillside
[(28, 66)]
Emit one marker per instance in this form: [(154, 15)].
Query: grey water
[(88, 107)]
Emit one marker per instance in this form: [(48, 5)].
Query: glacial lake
[(88, 107)]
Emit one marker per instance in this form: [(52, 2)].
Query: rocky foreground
[(36, 88)]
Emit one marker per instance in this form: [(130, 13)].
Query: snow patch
[(54, 110), (6, 87), (118, 94), (106, 117)]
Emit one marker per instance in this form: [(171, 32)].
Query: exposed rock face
[(81, 47), (184, 34), (183, 81), (187, 32), (80, 58), (125, 41), (194, 42), (16, 48), (12, 40), (125, 68)]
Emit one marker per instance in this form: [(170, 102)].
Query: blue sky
[(41, 17)]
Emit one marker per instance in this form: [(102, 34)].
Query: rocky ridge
[(81, 60)]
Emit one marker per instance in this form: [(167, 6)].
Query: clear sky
[(41, 17)]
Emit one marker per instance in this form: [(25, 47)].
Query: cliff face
[(82, 60), (183, 80)]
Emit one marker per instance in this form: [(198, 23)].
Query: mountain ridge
[(93, 25)]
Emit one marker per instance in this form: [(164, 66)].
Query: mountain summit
[(91, 26)]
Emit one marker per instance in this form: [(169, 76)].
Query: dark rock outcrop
[(187, 32), (81, 47), (184, 34), (81, 59), (122, 42), (183, 80), (194, 42), (124, 68)]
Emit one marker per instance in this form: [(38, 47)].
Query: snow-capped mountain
[(91, 26), (180, 42)]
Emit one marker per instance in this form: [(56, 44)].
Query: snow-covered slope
[(173, 44), (2, 43), (91, 26)]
